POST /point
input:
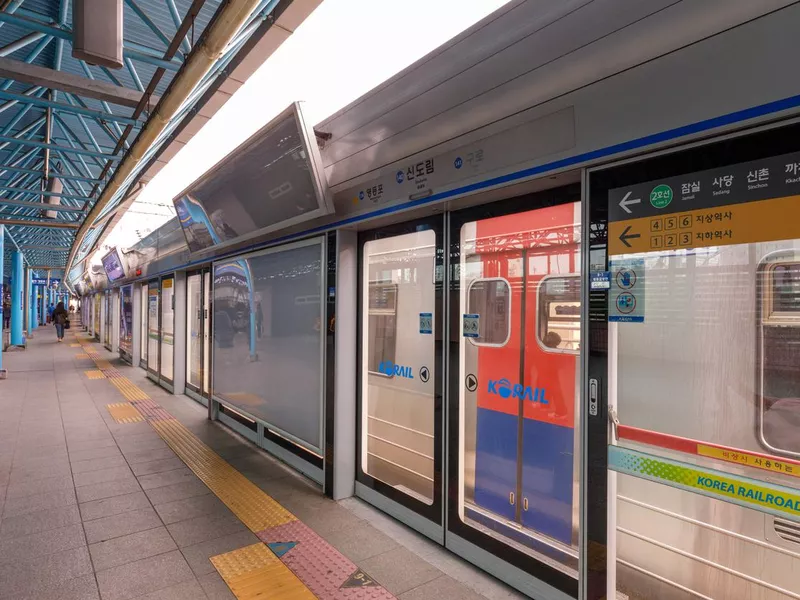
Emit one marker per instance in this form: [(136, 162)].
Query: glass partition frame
[(601, 577), (537, 564), (306, 448), (432, 511)]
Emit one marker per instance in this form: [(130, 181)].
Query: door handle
[(511, 498)]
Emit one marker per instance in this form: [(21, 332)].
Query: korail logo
[(504, 389), (392, 370)]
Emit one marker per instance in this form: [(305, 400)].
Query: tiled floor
[(91, 508)]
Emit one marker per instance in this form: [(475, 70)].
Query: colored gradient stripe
[(736, 489), (765, 462), (311, 565)]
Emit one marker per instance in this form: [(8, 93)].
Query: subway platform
[(112, 489)]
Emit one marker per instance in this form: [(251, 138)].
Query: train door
[(513, 458), (197, 332), (144, 311), (167, 329), (694, 373), (153, 329), (401, 325), (108, 325), (97, 299)]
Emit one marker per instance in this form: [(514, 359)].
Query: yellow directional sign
[(750, 222)]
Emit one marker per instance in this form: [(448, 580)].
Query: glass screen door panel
[(144, 310), (195, 333), (400, 365), (153, 331), (206, 331), (514, 453), (696, 355), (98, 298), (167, 328)]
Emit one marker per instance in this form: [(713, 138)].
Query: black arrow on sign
[(624, 236), (424, 374), (471, 382)]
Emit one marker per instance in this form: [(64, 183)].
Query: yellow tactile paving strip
[(94, 374), (250, 572), (123, 412), (82, 356), (247, 501), (128, 389), (255, 572)]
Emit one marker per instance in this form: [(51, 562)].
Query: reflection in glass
[(780, 353), (194, 318), (143, 337), (126, 321), (153, 339), (519, 479), (268, 182), (268, 335), (97, 298), (167, 327), (715, 363), (397, 405)]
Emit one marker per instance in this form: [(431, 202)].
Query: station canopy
[(79, 137)]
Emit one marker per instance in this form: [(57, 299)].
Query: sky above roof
[(341, 51)]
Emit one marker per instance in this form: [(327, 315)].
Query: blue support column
[(17, 298), (43, 305), (31, 304)]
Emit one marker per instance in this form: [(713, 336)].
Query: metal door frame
[(745, 144), (427, 519), (490, 553), (193, 391)]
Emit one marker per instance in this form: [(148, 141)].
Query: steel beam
[(130, 49), (42, 193), (43, 247), (39, 205), (24, 142), (55, 173), (21, 43), (67, 108), (51, 224), (67, 82)]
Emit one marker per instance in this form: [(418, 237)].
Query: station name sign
[(743, 203)]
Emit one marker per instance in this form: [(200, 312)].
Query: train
[(520, 275)]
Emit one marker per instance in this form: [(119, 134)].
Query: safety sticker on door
[(626, 296), (426, 323), (471, 325)]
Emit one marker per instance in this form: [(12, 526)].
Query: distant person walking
[(50, 310), (6, 314), (60, 316)]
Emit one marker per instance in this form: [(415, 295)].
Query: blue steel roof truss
[(48, 130)]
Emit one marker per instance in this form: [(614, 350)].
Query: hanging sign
[(757, 201)]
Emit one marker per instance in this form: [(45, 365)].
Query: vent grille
[(787, 530)]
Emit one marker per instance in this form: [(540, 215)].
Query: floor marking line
[(311, 568)]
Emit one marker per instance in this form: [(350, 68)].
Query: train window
[(558, 320), (491, 299), (382, 340), (780, 357)]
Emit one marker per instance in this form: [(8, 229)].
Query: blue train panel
[(547, 483), (496, 461)]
